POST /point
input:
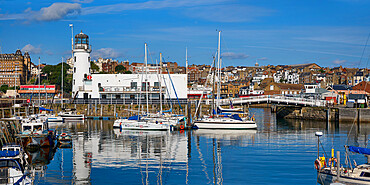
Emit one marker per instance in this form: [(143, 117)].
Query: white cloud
[(106, 53), (58, 11), (339, 61), (232, 55), (31, 49), (82, 1), (54, 12)]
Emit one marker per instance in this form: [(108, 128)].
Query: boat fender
[(182, 127), (323, 161), (318, 165)]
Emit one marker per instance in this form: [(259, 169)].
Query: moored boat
[(330, 170), (35, 133), (64, 140), (72, 115)]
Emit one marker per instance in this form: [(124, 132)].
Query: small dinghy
[(64, 140)]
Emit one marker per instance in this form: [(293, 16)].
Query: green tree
[(53, 73), (94, 68), (120, 69), (4, 88)]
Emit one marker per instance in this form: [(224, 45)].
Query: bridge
[(275, 99)]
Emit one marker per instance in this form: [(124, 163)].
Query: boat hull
[(55, 119), (325, 178), (71, 117), (222, 125), (35, 141), (145, 126)]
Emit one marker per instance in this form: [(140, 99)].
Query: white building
[(286, 77), (120, 86)]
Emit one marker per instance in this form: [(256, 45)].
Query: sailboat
[(224, 118), (143, 122), (331, 170)]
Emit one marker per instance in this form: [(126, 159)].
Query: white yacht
[(222, 122), (223, 118)]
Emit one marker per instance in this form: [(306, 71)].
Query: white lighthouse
[(81, 67)]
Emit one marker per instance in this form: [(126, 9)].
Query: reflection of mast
[(219, 164)]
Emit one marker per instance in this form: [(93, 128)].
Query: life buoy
[(182, 127), (64, 134), (333, 161), (78, 113), (253, 119), (318, 164)]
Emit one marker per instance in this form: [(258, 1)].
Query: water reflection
[(287, 148)]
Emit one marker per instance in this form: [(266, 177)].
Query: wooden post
[(101, 109), (115, 111)]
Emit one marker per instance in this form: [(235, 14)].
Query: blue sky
[(329, 33)]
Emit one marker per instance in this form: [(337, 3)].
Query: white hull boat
[(225, 123), (144, 125), (71, 116), (52, 118)]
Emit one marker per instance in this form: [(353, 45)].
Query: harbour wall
[(323, 113)]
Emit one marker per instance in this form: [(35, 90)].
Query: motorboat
[(35, 133), (13, 151), (13, 172), (72, 115)]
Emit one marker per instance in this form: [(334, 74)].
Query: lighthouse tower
[(81, 67)]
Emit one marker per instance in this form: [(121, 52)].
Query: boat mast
[(160, 82), (39, 83), (213, 83), (15, 87), (146, 79), (219, 69), (62, 81)]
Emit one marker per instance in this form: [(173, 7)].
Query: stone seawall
[(307, 113), (324, 113), (352, 114)]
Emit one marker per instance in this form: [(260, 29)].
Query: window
[(75, 59), (365, 174), (156, 84), (74, 69), (133, 85), (74, 82)]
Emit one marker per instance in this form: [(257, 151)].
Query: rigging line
[(173, 86), (363, 51), (204, 87)]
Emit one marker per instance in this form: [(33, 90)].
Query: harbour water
[(278, 152)]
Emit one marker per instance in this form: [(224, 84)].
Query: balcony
[(114, 89)]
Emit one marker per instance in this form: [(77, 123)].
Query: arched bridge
[(275, 99)]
